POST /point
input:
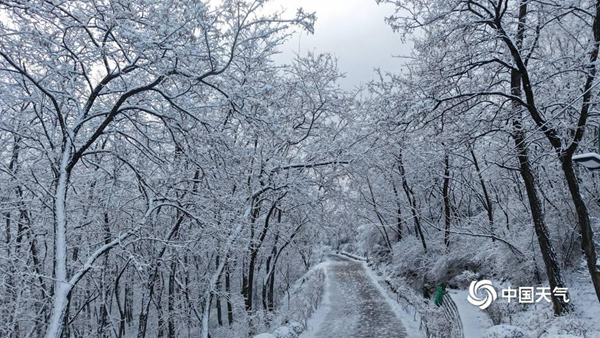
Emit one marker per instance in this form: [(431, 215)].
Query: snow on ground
[(474, 321), (587, 305), (354, 305), (583, 323)]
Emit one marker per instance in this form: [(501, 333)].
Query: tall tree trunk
[(271, 297), (218, 300), (105, 294), (487, 200), (121, 307), (62, 288), (411, 200), (585, 228), (250, 283), (171, 301), (553, 271), (145, 308), (228, 292), (446, 196), (160, 316), (564, 152), (248, 276), (382, 231), (398, 213), (270, 277), (254, 248)]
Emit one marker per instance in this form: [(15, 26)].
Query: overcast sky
[(354, 31)]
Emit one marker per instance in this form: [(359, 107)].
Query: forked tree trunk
[(62, 287)]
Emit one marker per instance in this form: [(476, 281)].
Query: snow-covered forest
[(163, 175)]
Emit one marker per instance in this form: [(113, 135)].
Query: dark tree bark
[(160, 316), (381, 230), (228, 292), (398, 213), (411, 200), (553, 271), (145, 308), (121, 308), (585, 228), (248, 275), (218, 300), (254, 249), (564, 151), (269, 282), (487, 201), (447, 203), (171, 301)]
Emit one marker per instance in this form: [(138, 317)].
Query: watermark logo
[(522, 295), (488, 290)]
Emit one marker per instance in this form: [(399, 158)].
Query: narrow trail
[(355, 308)]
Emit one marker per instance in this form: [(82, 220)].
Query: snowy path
[(353, 306), (474, 321)]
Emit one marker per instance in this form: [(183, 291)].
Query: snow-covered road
[(353, 305)]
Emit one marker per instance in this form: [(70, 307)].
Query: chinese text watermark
[(482, 294)]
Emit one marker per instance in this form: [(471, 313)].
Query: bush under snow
[(505, 331)]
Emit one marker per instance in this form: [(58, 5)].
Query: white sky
[(354, 31)]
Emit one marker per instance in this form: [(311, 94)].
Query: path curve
[(355, 306)]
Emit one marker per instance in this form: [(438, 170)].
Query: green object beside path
[(439, 295)]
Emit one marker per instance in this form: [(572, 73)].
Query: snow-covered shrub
[(435, 323), (463, 280), (567, 326), (373, 244), (284, 332), (292, 330), (298, 305), (502, 312), (302, 300), (410, 262), (505, 331), (296, 327), (265, 335), (570, 325)]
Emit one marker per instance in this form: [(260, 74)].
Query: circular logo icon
[(488, 289)]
